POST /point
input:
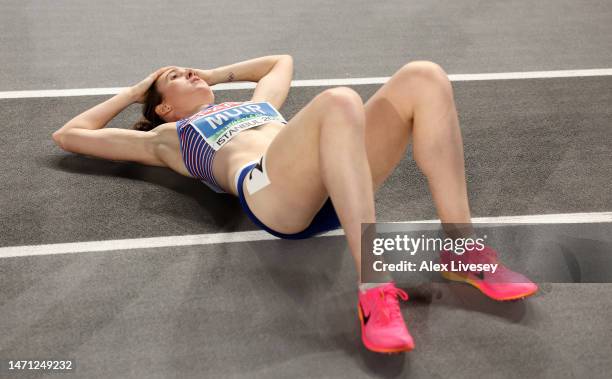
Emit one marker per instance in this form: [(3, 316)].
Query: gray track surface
[(74, 44), (281, 309), (288, 308)]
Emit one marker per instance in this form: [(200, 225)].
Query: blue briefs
[(325, 220)]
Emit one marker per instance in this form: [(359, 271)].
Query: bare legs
[(417, 104), (354, 148), (345, 169)]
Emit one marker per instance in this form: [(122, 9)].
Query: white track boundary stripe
[(321, 83), (260, 235)]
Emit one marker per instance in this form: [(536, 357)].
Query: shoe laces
[(389, 305)]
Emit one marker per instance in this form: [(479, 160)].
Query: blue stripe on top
[(197, 155)]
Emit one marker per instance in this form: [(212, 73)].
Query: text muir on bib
[(220, 123)]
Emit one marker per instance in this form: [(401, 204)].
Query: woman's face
[(183, 92)]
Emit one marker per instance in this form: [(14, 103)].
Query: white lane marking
[(260, 235), (557, 218), (321, 83), (531, 75)]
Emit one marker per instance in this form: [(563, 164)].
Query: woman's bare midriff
[(247, 146)]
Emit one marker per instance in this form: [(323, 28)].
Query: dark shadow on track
[(225, 211)]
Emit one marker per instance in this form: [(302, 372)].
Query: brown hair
[(150, 119)]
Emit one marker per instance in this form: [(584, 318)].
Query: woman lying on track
[(314, 173)]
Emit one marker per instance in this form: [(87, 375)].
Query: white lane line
[(134, 243), (557, 218), (260, 235), (321, 83)]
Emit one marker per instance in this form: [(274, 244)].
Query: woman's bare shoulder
[(166, 134), (168, 128), (167, 147)]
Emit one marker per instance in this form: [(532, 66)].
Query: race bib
[(220, 123)]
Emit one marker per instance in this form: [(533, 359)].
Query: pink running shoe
[(504, 284), (383, 329)]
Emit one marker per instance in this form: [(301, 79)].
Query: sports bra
[(204, 133)]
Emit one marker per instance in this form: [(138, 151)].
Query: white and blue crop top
[(203, 134)]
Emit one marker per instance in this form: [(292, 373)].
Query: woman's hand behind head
[(139, 90)]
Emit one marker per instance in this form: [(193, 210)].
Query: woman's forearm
[(251, 70), (206, 75), (100, 115)]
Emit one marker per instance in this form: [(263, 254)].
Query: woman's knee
[(425, 71), (342, 100)]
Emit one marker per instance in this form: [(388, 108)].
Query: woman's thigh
[(389, 116), (296, 191)]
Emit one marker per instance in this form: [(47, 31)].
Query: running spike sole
[(459, 278)]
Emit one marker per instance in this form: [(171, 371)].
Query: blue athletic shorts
[(326, 219)]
